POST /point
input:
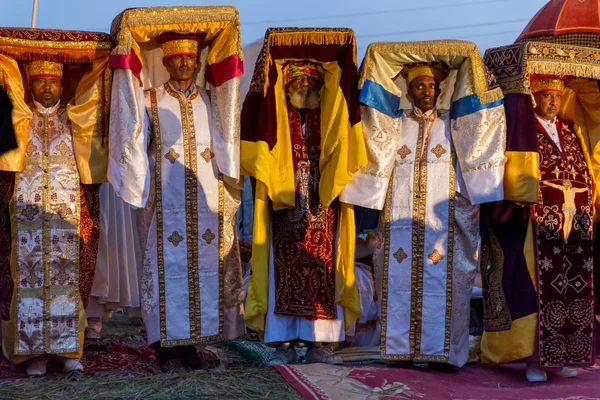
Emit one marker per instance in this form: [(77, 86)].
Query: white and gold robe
[(47, 313), (191, 276), (427, 258)]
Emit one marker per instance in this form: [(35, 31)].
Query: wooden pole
[(34, 13)]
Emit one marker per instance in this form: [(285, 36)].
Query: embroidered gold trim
[(191, 207), (418, 237), (221, 258), (450, 255), (384, 227), (545, 59), (160, 259), (46, 234)]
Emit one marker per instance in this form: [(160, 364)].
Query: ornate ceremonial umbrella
[(574, 22)]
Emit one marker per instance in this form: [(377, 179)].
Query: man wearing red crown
[(552, 327), (302, 308), (47, 208), (183, 223)]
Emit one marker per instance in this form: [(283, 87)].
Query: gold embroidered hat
[(174, 44), (546, 83), (43, 68), (437, 70)]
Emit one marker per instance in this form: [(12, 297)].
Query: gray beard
[(304, 101)]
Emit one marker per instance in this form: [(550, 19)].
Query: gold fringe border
[(29, 50), (579, 70), (491, 96), (135, 17), (306, 38), (457, 48)]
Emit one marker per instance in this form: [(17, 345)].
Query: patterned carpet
[(378, 382)]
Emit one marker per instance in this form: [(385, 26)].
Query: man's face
[(303, 92), (46, 90), (547, 104), (181, 68), (424, 91)]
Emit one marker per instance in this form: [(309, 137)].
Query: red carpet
[(378, 382), (128, 356)]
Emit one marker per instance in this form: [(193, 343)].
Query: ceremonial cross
[(561, 282), (30, 314)]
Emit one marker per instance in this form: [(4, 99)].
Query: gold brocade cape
[(266, 152), (86, 83)]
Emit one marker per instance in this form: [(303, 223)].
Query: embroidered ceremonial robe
[(429, 239), (547, 258), (192, 278), (302, 274), (54, 231)]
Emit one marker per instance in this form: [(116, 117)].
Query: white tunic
[(116, 282)]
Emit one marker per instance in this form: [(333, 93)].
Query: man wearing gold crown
[(48, 209), (421, 127), (551, 297), (182, 224)]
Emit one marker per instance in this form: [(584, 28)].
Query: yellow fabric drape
[(21, 115), (518, 342), (86, 113), (225, 40), (581, 105), (88, 116), (342, 154), (521, 176)]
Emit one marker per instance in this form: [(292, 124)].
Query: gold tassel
[(491, 96), (579, 70), (57, 55)]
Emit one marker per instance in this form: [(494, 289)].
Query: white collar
[(44, 110), (545, 121)]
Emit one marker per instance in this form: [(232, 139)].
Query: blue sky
[(488, 23)]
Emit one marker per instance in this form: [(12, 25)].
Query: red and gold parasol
[(564, 17)]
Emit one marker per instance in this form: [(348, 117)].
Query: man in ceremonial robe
[(187, 228), (302, 306), (547, 284), (302, 141), (54, 221), (431, 163)]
